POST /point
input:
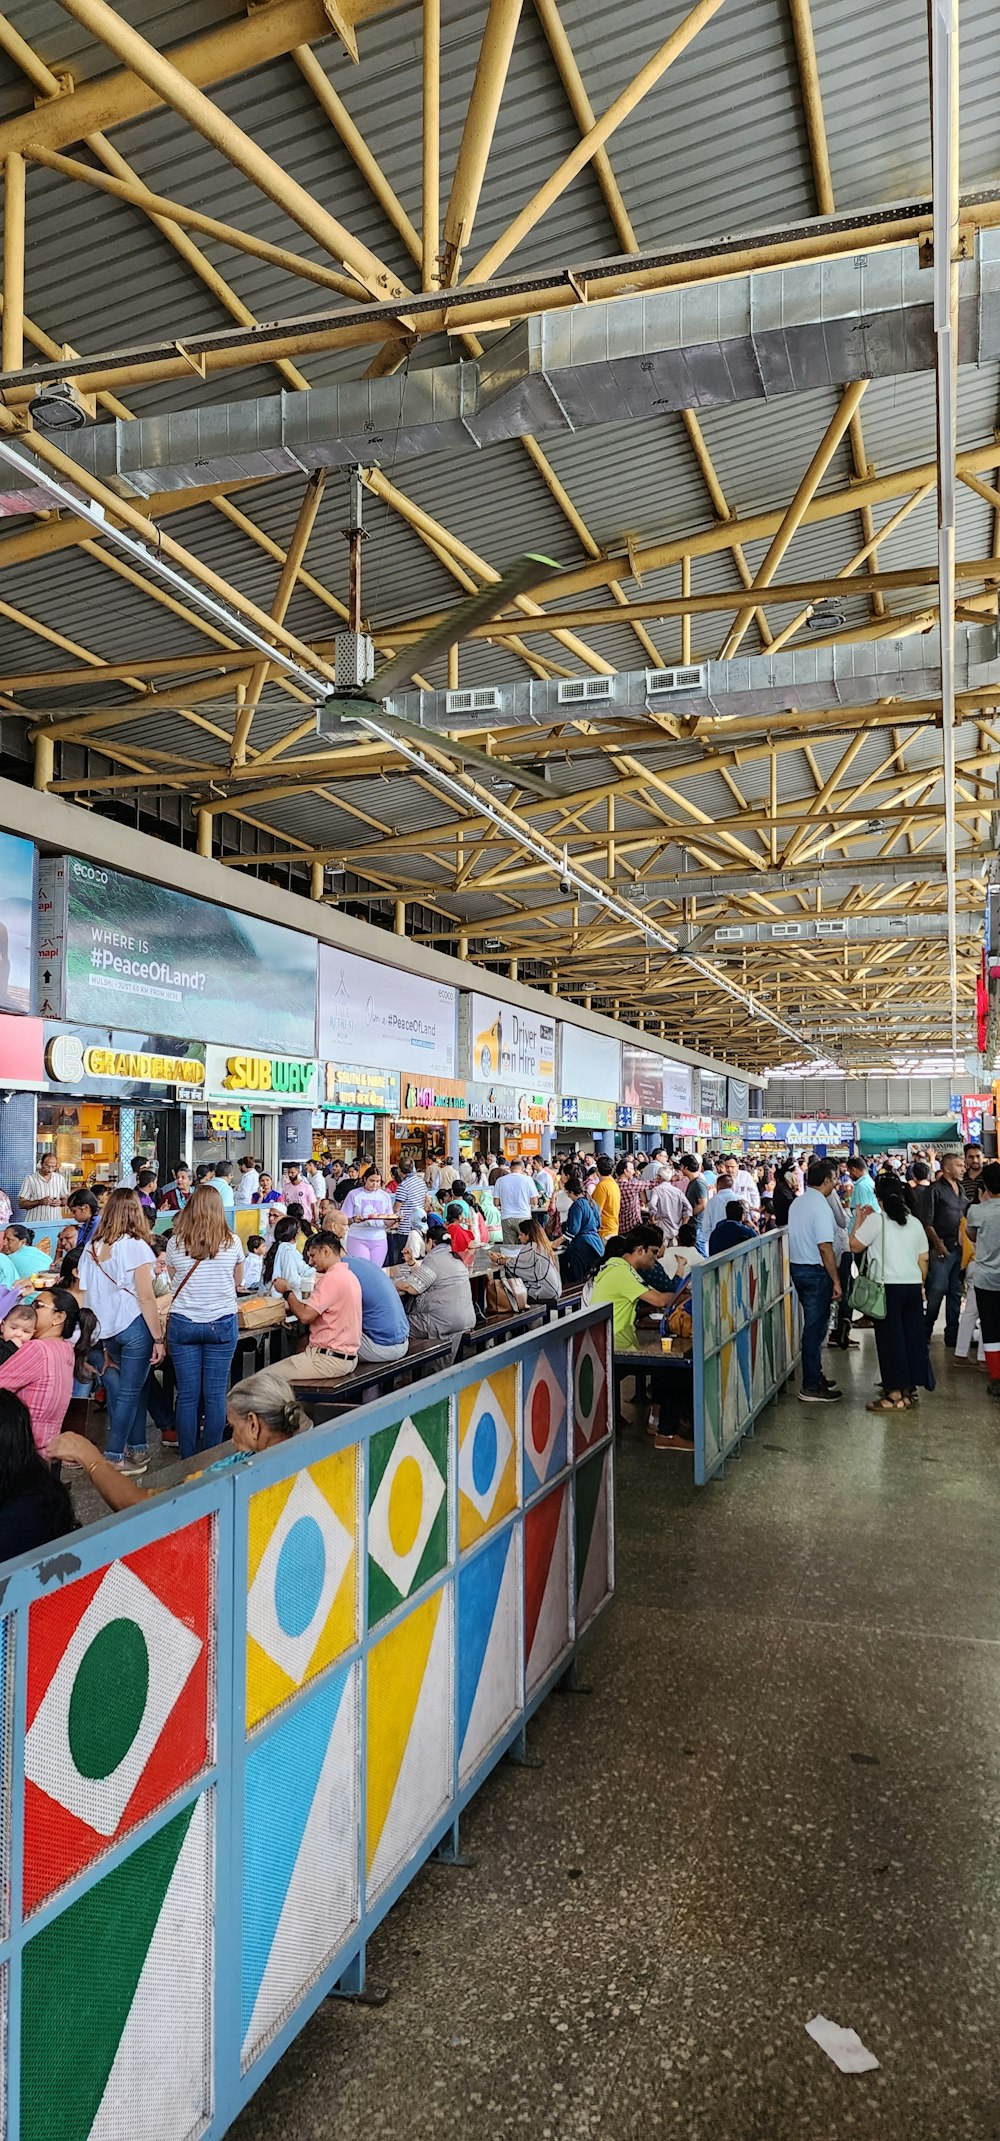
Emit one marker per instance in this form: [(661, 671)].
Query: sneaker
[(673, 1442), (169, 1438), (833, 1390), (134, 1463), (820, 1397)]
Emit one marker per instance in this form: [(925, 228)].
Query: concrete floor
[(781, 1798)]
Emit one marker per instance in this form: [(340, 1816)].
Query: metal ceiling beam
[(580, 156), (481, 117), (173, 87), (576, 285), (586, 118), (234, 47), (795, 513)]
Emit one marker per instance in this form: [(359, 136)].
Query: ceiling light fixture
[(59, 406)]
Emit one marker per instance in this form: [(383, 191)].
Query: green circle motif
[(108, 1702), (585, 1384)]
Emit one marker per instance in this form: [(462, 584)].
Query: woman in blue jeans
[(205, 1262), (116, 1274)]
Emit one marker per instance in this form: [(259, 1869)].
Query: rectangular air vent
[(689, 679), (735, 935), (484, 701), (581, 691), (789, 929), (832, 929)]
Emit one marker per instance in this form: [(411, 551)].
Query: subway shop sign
[(262, 1080)]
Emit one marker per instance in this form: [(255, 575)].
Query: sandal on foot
[(889, 1405)]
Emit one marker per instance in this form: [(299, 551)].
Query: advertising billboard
[(589, 1063), (512, 1045), (17, 923), (642, 1080), (369, 1013), (195, 969)]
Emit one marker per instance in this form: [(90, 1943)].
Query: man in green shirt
[(621, 1281)]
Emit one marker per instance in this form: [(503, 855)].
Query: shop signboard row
[(812, 1130)]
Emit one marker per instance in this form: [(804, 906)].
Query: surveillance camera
[(564, 885)]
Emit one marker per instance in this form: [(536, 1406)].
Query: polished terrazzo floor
[(782, 1797)]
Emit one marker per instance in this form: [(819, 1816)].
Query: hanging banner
[(737, 1099), (974, 1106), (713, 1092), (506, 1042), (676, 1089), (370, 1013), (590, 1062), (205, 971), (18, 924), (642, 1080)]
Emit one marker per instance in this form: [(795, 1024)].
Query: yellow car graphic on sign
[(486, 1050)]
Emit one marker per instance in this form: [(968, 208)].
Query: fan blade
[(479, 608), (425, 739)]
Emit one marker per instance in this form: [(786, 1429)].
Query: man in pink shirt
[(296, 1190), (332, 1316), (668, 1203)]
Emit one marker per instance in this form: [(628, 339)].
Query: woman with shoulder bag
[(206, 1265), (895, 1246), (116, 1274), (535, 1263)]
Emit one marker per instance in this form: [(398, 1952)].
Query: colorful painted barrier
[(745, 1343), (239, 1718)]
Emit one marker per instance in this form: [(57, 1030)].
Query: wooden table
[(494, 1329), (647, 1357)]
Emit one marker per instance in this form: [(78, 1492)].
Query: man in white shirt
[(815, 1277), (515, 1196), (668, 1204), (745, 1187), (248, 1184), (652, 1170), (544, 1183), (42, 1196), (715, 1209)]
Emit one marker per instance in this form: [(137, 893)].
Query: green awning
[(878, 1137)]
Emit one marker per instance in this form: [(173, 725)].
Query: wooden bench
[(495, 1329), (372, 1378)]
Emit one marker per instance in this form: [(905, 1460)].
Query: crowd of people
[(890, 1248), (139, 1308)]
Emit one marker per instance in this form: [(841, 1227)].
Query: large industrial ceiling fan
[(362, 688)]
